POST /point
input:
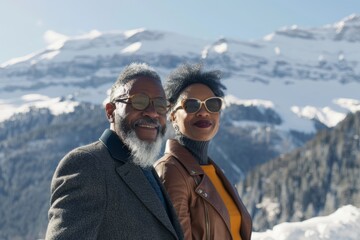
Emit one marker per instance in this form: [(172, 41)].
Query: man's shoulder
[(94, 148), (92, 152)]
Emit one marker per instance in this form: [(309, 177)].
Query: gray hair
[(132, 71)]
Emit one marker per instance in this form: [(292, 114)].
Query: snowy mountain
[(282, 90), (304, 73), (309, 78)]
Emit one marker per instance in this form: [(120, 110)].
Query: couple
[(110, 188)]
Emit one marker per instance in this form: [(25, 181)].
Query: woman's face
[(201, 125)]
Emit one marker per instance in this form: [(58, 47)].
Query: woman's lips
[(203, 123)]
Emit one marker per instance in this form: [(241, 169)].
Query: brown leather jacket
[(201, 211)]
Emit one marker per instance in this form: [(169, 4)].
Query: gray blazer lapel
[(138, 183)]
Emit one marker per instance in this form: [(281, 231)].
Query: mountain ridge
[(281, 91), (263, 69)]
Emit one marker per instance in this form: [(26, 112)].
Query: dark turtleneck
[(197, 148)]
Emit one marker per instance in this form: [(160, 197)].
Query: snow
[(230, 99), (221, 48), (51, 37), (352, 105), (277, 50), (56, 105), (95, 43), (295, 99), (272, 208), (269, 37), (132, 48), (325, 115), (320, 96), (343, 224), (131, 33), (49, 56), (14, 61)]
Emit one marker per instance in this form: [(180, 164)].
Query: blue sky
[(23, 22)]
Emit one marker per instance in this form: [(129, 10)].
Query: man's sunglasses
[(193, 105), (142, 101)]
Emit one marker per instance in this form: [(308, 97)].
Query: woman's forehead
[(197, 90)]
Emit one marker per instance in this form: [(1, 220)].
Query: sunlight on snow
[(221, 48), (132, 48)]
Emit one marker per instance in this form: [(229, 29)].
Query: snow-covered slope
[(304, 73), (343, 224)]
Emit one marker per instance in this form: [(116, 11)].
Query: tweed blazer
[(97, 193)]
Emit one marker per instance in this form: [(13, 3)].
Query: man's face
[(147, 124)]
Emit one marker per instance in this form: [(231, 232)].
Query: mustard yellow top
[(234, 213)]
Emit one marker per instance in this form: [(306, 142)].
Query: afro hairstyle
[(188, 74)]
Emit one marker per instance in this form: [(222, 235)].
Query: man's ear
[(109, 109)]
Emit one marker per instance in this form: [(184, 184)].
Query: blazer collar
[(135, 179), (116, 147)]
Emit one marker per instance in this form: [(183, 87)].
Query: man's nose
[(151, 111)]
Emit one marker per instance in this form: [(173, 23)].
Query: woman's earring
[(176, 128)]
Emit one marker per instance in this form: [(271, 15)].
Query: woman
[(207, 205)]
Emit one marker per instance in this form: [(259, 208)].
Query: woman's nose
[(202, 111)]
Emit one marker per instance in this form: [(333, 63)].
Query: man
[(108, 189)]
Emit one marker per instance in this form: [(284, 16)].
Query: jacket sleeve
[(174, 180), (78, 194)]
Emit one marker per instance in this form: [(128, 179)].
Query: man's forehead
[(125, 88), (140, 84)]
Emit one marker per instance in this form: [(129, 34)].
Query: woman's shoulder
[(166, 160), (169, 165)]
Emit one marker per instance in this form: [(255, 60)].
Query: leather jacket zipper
[(206, 211), (207, 221)]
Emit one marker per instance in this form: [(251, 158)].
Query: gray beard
[(144, 154)]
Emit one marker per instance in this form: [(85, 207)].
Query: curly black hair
[(188, 74)]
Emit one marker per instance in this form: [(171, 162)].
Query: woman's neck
[(198, 148)]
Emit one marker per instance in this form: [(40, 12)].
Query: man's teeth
[(146, 126)]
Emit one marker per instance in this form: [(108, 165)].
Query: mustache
[(150, 121)]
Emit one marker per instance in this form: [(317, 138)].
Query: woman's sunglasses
[(142, 101), (193, 105)]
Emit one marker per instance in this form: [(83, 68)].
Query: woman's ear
[(172, 116), (109, 109)]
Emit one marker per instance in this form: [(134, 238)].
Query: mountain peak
[(348, 29), (351, 21)]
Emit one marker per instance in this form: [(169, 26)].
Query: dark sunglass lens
[(191, 105), (160, 105), (214, 104), (140, 101)]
